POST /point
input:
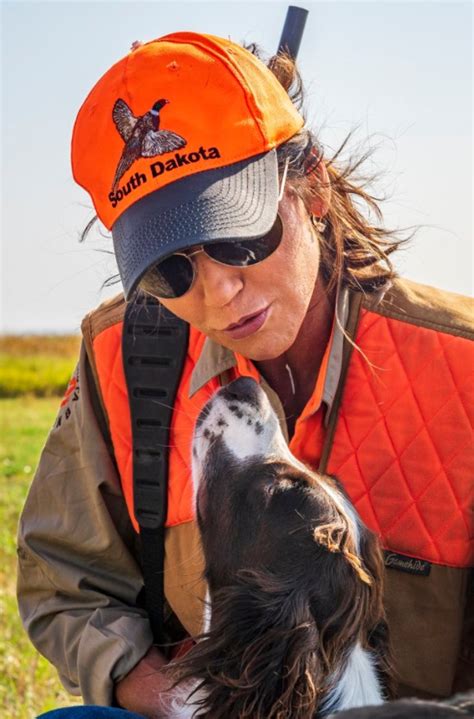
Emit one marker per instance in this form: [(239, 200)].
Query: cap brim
[(236, 202)]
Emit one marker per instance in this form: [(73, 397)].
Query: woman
[(222, 207)]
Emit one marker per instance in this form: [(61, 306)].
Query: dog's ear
[(260, 658)]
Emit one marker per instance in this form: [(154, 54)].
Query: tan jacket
[(79, 581)]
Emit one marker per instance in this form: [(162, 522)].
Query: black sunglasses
[(175, 275)]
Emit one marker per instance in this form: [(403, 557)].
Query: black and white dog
[(295, 625)]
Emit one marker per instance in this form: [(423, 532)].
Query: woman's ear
[(321, 191)]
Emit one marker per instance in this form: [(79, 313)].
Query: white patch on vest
[(358, 685)]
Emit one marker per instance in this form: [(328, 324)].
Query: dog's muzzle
[(239, 415)]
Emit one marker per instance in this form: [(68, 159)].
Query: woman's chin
[(267, 342), (258, 349)]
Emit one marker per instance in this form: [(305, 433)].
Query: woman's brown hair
[(354, 251)]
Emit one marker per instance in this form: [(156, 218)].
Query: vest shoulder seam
[(426, 307), (426, 323), (106, 315)]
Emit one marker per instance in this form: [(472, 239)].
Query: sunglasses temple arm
[(283, 179)]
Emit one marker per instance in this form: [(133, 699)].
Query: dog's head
[(294, 576)]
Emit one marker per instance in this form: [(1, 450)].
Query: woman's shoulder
[(108, 313), (425, 306)]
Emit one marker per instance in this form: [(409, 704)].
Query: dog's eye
[(273, 486), (270, 488)]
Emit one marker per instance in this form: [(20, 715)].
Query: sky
[(397, 73)]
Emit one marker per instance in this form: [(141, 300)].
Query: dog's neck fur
[(358, 684)]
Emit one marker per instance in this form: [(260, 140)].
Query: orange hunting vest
[(400, 440)]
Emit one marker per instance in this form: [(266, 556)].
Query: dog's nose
[(243, 388)]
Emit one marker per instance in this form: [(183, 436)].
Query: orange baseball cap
[(176, 146)]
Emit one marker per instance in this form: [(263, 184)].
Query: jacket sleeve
[(78, 578)]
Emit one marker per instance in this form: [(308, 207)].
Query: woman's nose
[(218, 283)]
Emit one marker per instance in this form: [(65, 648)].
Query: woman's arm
[(142, 689), (79, 580)]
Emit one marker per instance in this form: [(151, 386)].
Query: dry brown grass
[(53, 345)]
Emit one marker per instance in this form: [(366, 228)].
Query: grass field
[(28, 684)]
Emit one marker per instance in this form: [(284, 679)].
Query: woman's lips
[(247, 325)]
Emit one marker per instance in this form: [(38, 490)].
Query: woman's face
[(275, 293)]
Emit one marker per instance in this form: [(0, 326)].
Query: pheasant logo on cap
[(142, 136)]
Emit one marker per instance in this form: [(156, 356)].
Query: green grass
[(28, 683), (40, 375)]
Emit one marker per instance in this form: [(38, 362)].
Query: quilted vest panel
[(403, 443)]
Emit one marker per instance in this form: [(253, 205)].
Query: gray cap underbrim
[(236, 202)]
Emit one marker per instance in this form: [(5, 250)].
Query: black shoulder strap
[(154, 348)]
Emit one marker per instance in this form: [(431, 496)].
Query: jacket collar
[(213, 361)]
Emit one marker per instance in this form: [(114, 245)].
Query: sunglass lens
[(248, 252), (173, 276)]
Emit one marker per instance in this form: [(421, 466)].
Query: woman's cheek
[(186, 309)]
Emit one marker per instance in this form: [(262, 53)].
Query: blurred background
[(397, 73)]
